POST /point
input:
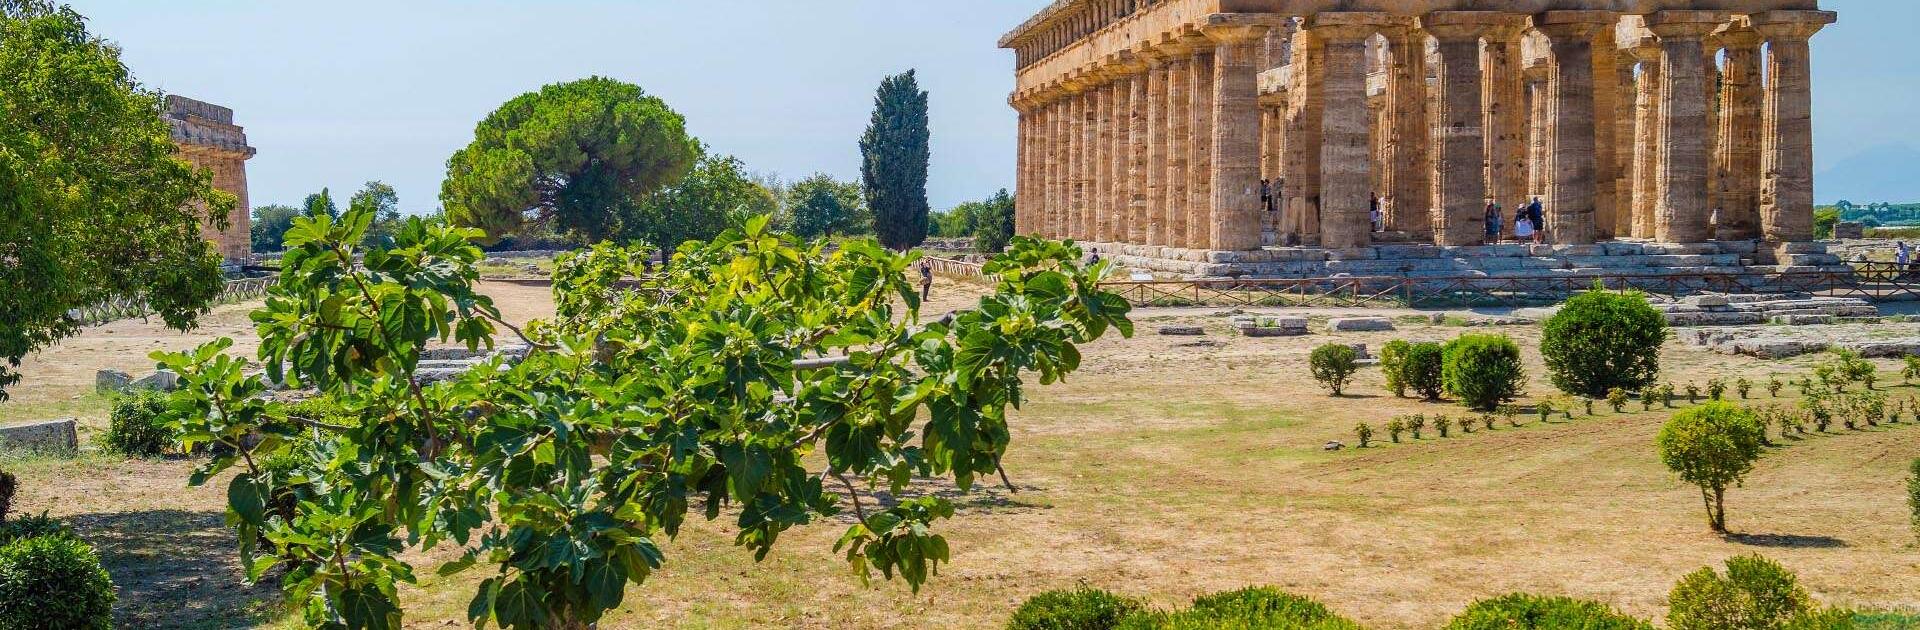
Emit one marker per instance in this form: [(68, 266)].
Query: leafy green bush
[(137, 425), (1077, 609), (1521, 611), (1333, 366), (1754, 594), (31, 527), (1393, 359), (1423, 369), (1617, 398), (54, 582), (1483, 370), (9, 484), (1365, 432), (1913, 496), (1712, 446), (1261, 608), (1395, 427), (1600, 340)]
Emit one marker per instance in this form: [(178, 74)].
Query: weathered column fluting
[(1236, 214), (1572, 155), (1682, 216), (1076, 164), (1607, 111), (1539, 112), (1344, 161), (1742, 101), (1100, 210), (1120, 198), (1300, 158), (1505, 101), (1786, 194), (1089, 213), (1200, 156), (1179, 139), (1056, 166), (1625, 151), (1646, 154), (1138, 222), (1157, 149), (1459, 136), (1408, 185)]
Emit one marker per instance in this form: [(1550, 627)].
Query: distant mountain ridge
[(1886, 173)]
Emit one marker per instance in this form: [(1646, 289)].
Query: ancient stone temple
[(1253, 130), (207, 137)]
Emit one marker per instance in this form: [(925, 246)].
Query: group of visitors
[(1529, 223)]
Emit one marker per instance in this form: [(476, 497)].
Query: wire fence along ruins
[(235, 291)]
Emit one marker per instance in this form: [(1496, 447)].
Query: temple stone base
[(1482, 261)]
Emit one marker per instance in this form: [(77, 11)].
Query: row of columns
[(1163, 145)]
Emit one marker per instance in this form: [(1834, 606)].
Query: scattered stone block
[(1182, 331), (1271, 331), (1803, 320), (111, 381), (161, 381), (1360, 324), (1334, 446), (1709, 301), (51, 435)]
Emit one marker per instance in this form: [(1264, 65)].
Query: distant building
[(208, 138)]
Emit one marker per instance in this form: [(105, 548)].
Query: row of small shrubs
[(1753, 594), (1482, 371)]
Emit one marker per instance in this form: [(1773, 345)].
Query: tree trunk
[(1720, 510)]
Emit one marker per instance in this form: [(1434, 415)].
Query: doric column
[(1138, 223), (1408, 184), (1741, 102), (1076, 161), (1505, 101), (1053, 211), (1158, 232), (1236, 213), (1571, 200), (1786, 194), (1607, 112), (1459, 136), (1300, 162), (1087, 220), (1179, 139), (1100, 223), (1345, 184), (1200, 155), (1023, 161), (1682, 216), (1646, 154)]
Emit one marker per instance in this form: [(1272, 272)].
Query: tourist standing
[(926, 280), (1522, 227), (1494, 223), (1537, 216), (1374, 214), (1902, 258)]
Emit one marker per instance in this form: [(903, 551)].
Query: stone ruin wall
[(207, 137)]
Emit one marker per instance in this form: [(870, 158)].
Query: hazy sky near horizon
[(337, 93)]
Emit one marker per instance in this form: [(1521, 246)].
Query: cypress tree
[(893, 168)]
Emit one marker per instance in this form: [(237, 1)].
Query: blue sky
[(337, 93)]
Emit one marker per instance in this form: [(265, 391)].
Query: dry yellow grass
[(1164, 470)]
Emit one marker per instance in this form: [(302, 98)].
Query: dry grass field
[(1169, 467)]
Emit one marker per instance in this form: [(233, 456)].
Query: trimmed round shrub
[(1521, 611), (1483, 370), (137, 425), (1423, 369), (1712, 446), (1754, 594), (1602, 340), (1261, 608), (1078, 609), (1333, 366), (54, 582)]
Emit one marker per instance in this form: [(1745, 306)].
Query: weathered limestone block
[(111, 381), (1360, 324), (160, 381), (51, 435), (1807, 319), (1182, 331)]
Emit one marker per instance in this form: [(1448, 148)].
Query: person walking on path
[(1494, 223)]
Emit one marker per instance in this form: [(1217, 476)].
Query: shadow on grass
[(1792, 541), (176, 569)]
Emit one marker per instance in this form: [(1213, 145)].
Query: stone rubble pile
[(1780, 342), (1750, 310)]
